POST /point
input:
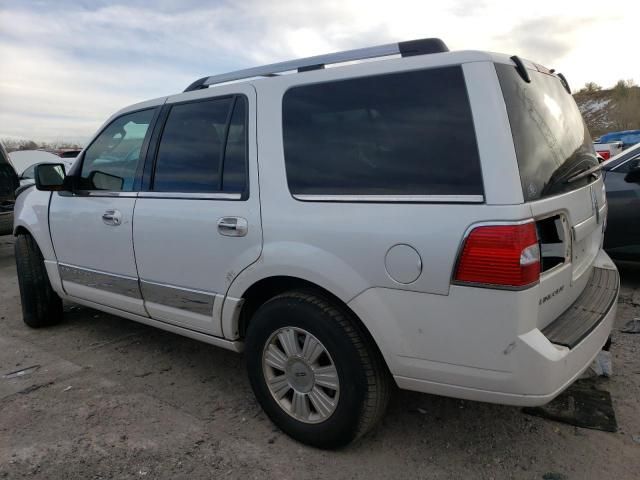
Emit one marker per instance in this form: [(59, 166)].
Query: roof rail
[(406, 49)]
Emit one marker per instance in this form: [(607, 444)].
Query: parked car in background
[(432, 220), (622, 181), (67, 152), (25, 161), (627, 137), (608, 150), (8, 186)]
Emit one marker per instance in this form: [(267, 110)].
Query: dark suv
[(8, 185)]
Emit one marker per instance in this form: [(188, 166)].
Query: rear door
[(197, 225)]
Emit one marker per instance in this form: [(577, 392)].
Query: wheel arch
[(269, 287), (31, 215), (21, 230)]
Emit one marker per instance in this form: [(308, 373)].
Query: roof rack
[(406, 49)]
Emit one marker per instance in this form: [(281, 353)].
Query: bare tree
[(590, 87)]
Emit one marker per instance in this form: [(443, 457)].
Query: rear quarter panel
[(342, 246)]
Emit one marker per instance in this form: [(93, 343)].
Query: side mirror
[(106, 181), (633, 176), (50, 177)]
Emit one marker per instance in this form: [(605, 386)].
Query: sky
[(66, 66)]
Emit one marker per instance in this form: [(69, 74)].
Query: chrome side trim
[(194, 301), (192, 196), (391, 198), (109, 282), (105, 193)]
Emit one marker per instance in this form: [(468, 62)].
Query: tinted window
[(29, 173), (235, 158), (110, 163), (551, 140), (190, 152), (401, 134)]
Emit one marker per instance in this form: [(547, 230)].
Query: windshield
[(551, 140), (622, 157)]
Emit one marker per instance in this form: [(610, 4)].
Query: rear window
[(550, 137), (408, 133)]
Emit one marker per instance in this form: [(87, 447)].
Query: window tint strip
[(393, 198)]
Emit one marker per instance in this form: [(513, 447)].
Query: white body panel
[(86, 244), (476, 343), (182, 230)]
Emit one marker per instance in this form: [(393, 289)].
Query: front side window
[(203, 148), (111, 162), (408, 133)]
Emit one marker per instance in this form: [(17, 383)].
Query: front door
[(198, 224), (91, 228)]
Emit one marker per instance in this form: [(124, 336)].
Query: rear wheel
[(41, 306), (314, 371)]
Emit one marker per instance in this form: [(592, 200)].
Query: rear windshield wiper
[(584, 173)]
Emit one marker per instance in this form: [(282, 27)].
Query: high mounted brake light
[(500, 256)]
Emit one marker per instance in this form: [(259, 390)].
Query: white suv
[(428, 219)]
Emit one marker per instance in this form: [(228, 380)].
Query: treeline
[(11, 145), (621, 104)]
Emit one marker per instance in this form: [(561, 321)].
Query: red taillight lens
[(500, 255), (606, 154)]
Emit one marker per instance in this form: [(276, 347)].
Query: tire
[(6, 223), (41, 306), (362, 393)]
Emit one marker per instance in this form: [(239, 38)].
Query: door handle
[(112, 217), (233, 226)]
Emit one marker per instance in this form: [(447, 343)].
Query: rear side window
[(203, 148), (408, 133)]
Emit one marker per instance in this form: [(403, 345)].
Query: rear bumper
[(478, 356), (549, 367)]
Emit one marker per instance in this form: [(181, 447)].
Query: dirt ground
[(110, 398)]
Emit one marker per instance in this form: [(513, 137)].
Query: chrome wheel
[(301, 375)]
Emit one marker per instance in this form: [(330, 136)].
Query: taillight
[(500, 256), (606, 154)]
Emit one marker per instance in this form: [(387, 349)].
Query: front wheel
[(41, 306), (314, 371)]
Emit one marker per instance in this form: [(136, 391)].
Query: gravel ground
[(111, 398)]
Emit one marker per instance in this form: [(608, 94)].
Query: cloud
[(67, 65), (546, 39)]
